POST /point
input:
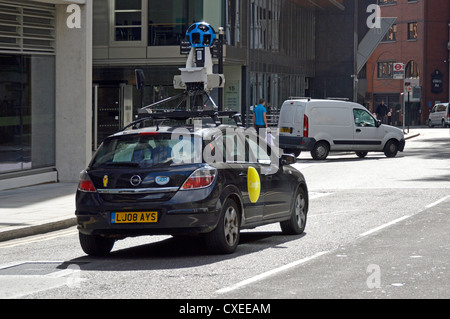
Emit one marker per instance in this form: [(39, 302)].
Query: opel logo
[(135, 180)]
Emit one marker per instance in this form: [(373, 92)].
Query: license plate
[(286, 130), (134, 217)]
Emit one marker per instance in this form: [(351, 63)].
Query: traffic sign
[(399, 71)]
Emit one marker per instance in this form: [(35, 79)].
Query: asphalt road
[(377, 228)]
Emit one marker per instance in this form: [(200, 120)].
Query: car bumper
[(401, 146), (296, 143), (191, 212)]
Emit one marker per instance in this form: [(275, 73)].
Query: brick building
[(418, 39)]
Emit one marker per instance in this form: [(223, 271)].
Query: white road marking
[(38, 238), (385, 225), (438, 202), (269, 273)]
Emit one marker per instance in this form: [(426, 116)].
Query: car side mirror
[(377, 123), (287, 159)]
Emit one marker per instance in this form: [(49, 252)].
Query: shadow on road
[(178, 253)]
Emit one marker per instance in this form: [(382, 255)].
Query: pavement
[(44, 208)]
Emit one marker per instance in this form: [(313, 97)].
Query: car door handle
[(358, 130), (242, 174)]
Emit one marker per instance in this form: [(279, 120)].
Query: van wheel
[(95, 245), (430, 124), (443, 124), (391, 148), (361, 154), (320, 151), (295, 152)]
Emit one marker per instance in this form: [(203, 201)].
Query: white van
[(321, 126), (440, 115)]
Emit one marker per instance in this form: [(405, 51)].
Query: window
[(128, 20), (27, 112), (412, 31), (386, 2), (385, 70), (363, 118), (412, 70), (391, 36), (168, 20)]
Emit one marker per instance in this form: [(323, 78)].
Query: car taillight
[(201, 178), (305, 126), (85, 184)]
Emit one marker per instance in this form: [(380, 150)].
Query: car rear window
[(147, 150)]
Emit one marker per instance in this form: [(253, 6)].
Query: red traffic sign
[(398, 67)]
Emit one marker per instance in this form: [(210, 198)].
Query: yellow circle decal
[(253, 184)]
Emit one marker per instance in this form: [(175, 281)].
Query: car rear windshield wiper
[(126, 164)]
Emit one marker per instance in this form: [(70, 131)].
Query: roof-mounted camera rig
[(197, 78)]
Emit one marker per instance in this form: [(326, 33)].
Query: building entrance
[(112, 110)]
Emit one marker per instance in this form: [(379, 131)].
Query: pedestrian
[(260, 116), (382, 111)]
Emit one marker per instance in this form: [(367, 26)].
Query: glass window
[(412, 31), (412, 70), (146, 150), (391, 36), (363, 118), (128, 20), (168, 20), (27, 112), (385, 70)]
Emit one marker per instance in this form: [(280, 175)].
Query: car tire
[(224, 239), (361, 154), (443, 124), (391, 148), (292, 151), (320, 151), (297, 222), (430, 124), (95, 245)]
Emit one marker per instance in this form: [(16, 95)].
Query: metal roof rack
[(185, 115)]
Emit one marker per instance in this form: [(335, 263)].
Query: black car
[(212, 180)]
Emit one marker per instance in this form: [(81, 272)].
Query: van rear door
[(291, 119)]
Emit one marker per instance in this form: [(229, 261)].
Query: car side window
[(363, 118), (234, 148), (257, 152)]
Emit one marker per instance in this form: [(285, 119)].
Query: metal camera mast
[(197, 79)]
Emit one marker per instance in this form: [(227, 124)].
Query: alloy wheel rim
[(300, 214), (231, 226)]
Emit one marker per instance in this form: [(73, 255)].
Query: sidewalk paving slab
[(36, 209)]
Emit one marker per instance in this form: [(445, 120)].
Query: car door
[(367, 136), (275, 186), (237, 159)]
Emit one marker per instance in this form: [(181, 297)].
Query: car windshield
[(146, 150)]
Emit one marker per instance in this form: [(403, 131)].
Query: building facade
[(419, 40), (45, 90), (269, 52)]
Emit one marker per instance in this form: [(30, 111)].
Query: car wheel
[(320, 151), (297, 223), (95, 245), (430, 124), (295, 152), (443, 124), (361, 154), (391, 148), (225, 237)]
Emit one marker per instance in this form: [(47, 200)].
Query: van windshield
[(146, 150)]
